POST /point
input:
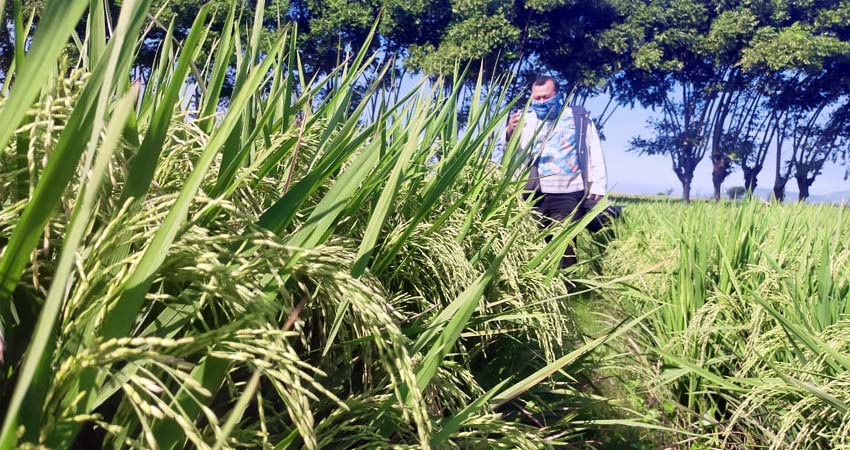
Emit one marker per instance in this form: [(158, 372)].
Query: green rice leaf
[(53, 33), (464, 305), (145, 161), (223, 56), (570, 358), (451, 424), (32, 384), (62, 165)]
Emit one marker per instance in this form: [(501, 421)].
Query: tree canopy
[(730, 80), (732, 77)]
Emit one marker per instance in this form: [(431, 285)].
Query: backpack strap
[(533, 183), (582, 118)]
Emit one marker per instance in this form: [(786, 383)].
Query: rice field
[(280, 269), (747, 345)]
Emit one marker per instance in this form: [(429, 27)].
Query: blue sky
[(631, 173)]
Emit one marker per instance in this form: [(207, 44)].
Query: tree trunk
[(750, 179), (686, 190), (718, 174), (779, 189), (803, 184), (779, 181)]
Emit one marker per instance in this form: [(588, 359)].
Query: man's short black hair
[(540, 80)]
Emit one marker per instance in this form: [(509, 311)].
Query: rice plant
[(282, 272), (748, 345)]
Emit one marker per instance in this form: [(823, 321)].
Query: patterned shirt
[(557, 147)]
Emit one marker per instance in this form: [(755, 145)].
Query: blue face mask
[(548, 109)]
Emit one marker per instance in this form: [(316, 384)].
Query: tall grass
[(750, 345), (279, 273)]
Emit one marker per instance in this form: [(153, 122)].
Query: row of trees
[(729, 80), (733, 80)]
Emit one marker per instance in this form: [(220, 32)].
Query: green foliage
[(476, 34), (729, 32), (736, 192), (797, 46)]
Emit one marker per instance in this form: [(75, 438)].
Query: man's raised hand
[(512, 124)]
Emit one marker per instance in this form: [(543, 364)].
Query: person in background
[(568, 174)]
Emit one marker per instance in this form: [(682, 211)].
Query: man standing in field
[(567, 168)]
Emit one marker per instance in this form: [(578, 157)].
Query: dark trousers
[(556, 208)]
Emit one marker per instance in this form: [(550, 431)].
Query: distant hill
[(832, 197), (650, 191), (842, 197), (764, 193)]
